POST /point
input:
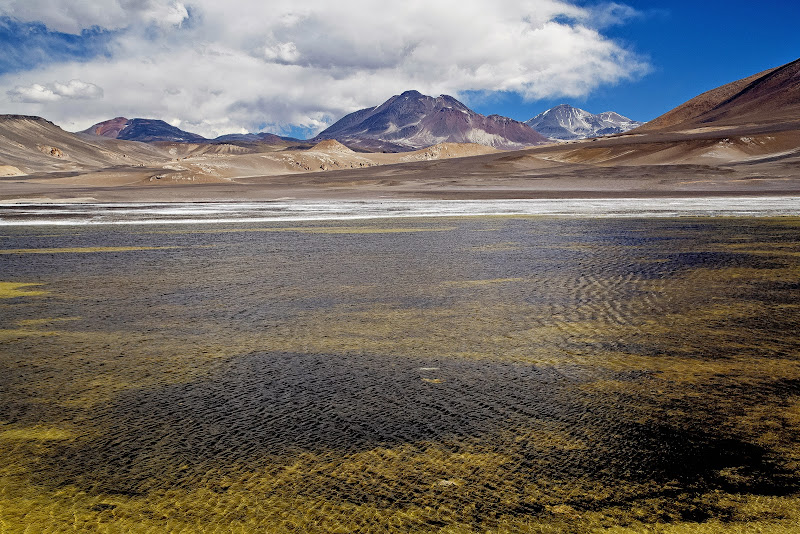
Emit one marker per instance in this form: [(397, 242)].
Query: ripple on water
[(557, 375)]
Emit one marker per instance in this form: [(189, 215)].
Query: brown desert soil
[(705, 161)]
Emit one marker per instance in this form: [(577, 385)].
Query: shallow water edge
[(295, 210)]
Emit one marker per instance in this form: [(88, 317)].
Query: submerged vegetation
[(503, 374)]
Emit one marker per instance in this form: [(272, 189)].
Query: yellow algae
[(365, 230), (318, 230), (792, 413), (10, 290), (507, 246), (92, 361), (46, 321), (65, 250), (8, 335), (478, 283), (317, 493), (35, 433)]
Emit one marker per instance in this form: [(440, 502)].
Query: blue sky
[(26, 45), (295, 67), (691, 46)]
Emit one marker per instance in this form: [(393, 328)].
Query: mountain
[(263, 137), (145, 130), (567, 123), (766, 98), (154, 130), (32, 144), (412, 120)]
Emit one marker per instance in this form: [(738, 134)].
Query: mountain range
[(567, 123), (155, 130), (404, 122)]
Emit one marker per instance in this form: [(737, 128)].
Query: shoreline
[(59, 213)]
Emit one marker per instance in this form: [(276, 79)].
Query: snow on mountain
[(412, 120), (565, 122)]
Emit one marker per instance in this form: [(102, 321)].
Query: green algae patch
[(10, 290), (78, 250)]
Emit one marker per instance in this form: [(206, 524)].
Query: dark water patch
[(694, 459), (267, 408), (723, 260), (772, 292), (280, 404)]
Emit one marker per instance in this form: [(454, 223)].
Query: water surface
[(520, 374)]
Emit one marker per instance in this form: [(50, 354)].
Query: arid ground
[(753, 159)]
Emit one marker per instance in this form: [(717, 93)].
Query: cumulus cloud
[(55, 92), (222, 67), (73, 16), (36, 93)]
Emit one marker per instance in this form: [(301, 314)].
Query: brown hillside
[(33, 144), (768, 97), (331, 145)]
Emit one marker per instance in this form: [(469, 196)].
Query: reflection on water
[(425, 375)]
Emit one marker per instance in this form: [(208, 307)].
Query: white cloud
[(282, 52), (72, 16), (55, 92), (77, 89), (225, 66), (36, 93)]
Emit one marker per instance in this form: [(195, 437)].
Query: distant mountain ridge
[(155, 130), (411, 120), (566, 123), (144, 130)]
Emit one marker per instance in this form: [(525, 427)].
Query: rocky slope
[(144, 130), (158, 131), (33, 144), (567, 123), (767, 98), (412, 121)]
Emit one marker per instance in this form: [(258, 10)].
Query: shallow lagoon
[(451, 374)]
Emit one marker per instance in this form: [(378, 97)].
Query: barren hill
[(33, 144), (769, 97), (331, 145)]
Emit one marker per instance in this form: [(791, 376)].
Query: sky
[(294, 67)]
